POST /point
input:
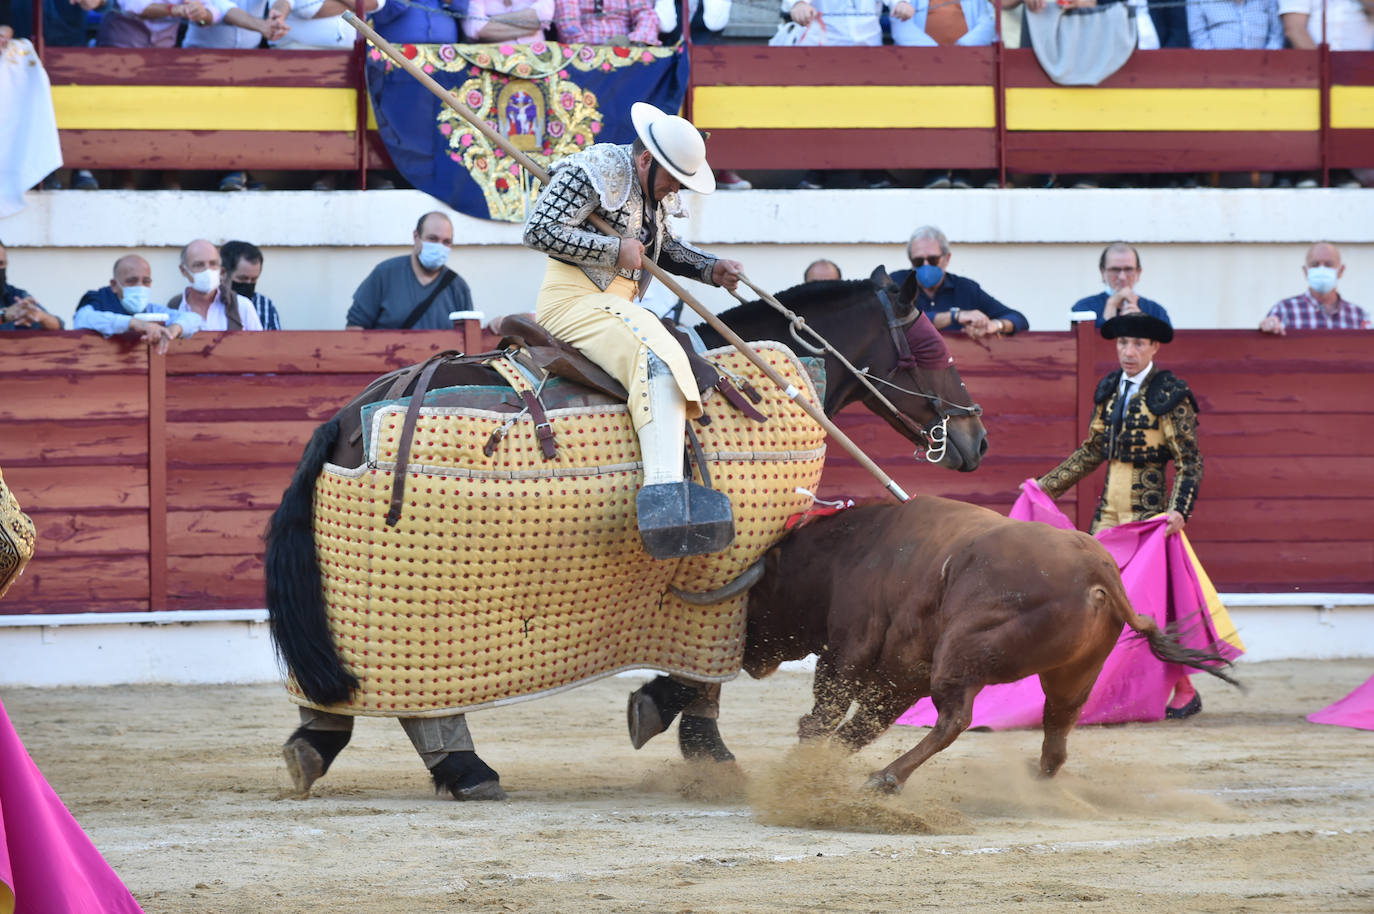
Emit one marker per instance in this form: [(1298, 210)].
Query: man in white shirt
[(1350, 28), (207, 292)]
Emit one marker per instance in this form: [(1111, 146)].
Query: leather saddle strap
[(542, 429), (699, 457), (737, 400), (417, 398)]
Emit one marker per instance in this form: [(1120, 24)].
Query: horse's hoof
[(643, 718), (883, 783), (487, 790), (303, 763)]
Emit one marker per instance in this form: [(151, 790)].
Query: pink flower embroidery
[(446, 129)]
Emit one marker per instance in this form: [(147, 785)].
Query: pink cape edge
[(1163, 582), (47, 863), (1354, 710)]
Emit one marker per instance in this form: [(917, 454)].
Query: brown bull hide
[(937, 597)]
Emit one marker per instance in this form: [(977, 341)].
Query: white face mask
[(134, 299), (1321, 279), (205, 281)]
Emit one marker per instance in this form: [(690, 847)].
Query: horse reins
[(937, 436)]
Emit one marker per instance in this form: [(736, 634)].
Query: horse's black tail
[(295, 596)]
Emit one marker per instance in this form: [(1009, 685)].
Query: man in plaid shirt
[(1321, 306), (619, 22)]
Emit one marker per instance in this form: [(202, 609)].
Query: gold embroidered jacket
[(1159, 424)]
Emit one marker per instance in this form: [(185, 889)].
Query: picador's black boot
[(309, 753), (699, 739), (467, 777), (653, 706)]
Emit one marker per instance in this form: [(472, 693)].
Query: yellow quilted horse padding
[(511, 577)]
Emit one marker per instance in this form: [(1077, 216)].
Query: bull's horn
[(739, 585)]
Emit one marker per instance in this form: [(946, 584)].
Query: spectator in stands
[(1350, 28), (617, 22), (1321, 306), (18, 310), (522, 21), (124, 307), (242, 263), (148, 23), (1228, 25), (953, 303), (64, 21), (1120, 268), (238, 24), (414, 290), (208, 293), (421, 21), (944, 22), (820, 271), (319, 24), (1170, 19)]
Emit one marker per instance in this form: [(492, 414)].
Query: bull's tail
[(1163, 645), (295, 595)]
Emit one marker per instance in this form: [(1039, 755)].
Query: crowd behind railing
[(1122, 27), (219, 289)]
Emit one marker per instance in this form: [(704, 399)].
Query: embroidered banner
[(550, 99)]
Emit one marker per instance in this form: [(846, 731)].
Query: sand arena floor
[(1244, 808)]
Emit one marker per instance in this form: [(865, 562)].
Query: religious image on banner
[(549, 99)]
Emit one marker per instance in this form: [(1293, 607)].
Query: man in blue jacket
[(953, 303), (1120, 266), (124, 307)]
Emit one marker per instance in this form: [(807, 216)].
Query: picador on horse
[(479, 529)]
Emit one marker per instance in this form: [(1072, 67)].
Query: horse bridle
[(937, 436)]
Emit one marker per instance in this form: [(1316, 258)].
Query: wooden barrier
[(151, 480), (767, 108)]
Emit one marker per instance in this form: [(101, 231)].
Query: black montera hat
[(1140, 324)]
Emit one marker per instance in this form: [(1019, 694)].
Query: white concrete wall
[(1214, 258), (99, 649)]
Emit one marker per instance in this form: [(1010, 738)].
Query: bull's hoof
[(466, 777), (643, 718), (699, 739), (303, 763), (883, 782)]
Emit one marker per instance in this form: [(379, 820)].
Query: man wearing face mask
[(953, 303), (18, 310), (416, 290), (242, 263), (1321, 306), (124, 307), (1120, 268), (208, 293)]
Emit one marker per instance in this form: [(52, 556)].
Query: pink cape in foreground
[(47, 864), (1164, 581), (1354, 710)]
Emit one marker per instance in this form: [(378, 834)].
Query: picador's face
[(664, 182)]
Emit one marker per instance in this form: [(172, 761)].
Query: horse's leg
[(954, 702), (832, 701), (446, 747), (313, 747), (698, 736), (1066, 690), (654, 705)]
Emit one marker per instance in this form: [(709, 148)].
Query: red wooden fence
[(151, 479)]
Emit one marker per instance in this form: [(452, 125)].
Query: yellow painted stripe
[(1352, 107), (810, 107), (204, 108), (1163, 109)]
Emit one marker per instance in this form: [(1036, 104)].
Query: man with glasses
[(1120, 266), (416, 290), (953, 303)]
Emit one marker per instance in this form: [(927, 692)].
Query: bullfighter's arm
[(1179, 426), (1081, 462), (681, 259), (555, 226)]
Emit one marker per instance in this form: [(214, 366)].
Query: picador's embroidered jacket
[(601, 179), (1159, 425)]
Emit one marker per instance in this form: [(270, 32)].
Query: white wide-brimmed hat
[(676, 144)]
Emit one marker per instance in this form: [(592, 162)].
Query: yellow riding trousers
[(615, 333)]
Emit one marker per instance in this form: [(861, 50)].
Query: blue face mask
[(135, 299), (433, 255), (929, 275)]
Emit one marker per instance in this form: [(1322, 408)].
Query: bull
[(941, 598)]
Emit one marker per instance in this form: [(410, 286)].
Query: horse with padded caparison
[(323, 524)]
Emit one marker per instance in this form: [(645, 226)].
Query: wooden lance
[(534, 169)]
